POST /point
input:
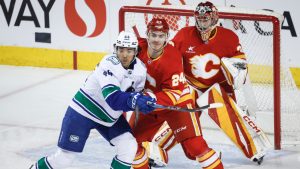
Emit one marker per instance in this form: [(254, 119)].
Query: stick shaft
[(184, 109)]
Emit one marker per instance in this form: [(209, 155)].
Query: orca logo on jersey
[(74, 138), (205, 66), (78, 21)]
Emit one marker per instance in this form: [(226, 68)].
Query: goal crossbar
[(229, 15)]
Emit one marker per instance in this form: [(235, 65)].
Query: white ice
[(32, 105)]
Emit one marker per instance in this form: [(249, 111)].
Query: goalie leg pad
[(156, 150), (157, 155), (164, 137), (228, 119), (153, 153), (141, 160)]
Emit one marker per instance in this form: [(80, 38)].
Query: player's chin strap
[(184, 109)]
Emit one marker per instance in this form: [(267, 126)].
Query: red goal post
[(236, 16)]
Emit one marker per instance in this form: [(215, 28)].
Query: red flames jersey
[(165, 76), (202, 61)]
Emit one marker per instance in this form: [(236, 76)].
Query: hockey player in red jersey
[(166, 83), (214, 65), (204, 49)]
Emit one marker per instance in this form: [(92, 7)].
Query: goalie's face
[(206, 16), (157, 40), (126, 55), (204, 22)]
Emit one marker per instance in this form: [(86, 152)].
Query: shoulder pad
[(113, 59)]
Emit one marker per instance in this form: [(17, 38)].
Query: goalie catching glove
[(235, 71)]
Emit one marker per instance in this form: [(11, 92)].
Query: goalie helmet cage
[(263, 52)]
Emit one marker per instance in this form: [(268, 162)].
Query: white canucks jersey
[(108, 77)]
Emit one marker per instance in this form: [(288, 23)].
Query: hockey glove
[(142, 102)]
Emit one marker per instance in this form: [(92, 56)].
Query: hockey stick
[(183, 109), (137, 115)]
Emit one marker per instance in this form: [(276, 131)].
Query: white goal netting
[(262, 48)]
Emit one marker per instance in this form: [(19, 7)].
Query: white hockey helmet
[(127, 40)]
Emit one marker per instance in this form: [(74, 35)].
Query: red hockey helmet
[(206, 16), (157, 24)]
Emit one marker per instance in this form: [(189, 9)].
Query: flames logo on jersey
[(205, 66)]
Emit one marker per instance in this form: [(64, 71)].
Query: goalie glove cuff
[(235, 71)]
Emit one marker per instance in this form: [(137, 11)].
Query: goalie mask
[(206, 17), (157, 34)]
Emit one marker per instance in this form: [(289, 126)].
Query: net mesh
[(257, 40)]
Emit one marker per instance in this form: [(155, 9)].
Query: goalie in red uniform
[(166, 82), (214, 65)]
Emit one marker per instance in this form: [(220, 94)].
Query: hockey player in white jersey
[(111, 89)]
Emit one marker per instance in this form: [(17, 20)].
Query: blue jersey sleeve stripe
[(118, 101)]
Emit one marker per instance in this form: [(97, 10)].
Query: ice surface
[(32, 105)]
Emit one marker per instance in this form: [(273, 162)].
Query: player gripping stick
[(214, 66), (166, 83), (113, 87)]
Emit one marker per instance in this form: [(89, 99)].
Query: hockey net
[(270, 92)]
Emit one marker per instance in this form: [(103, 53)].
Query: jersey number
[(177, 78)]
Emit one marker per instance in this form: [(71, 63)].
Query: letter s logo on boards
[(85, 18)]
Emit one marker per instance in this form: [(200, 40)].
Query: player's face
[(204, 22), (125, 55), (157, 39)]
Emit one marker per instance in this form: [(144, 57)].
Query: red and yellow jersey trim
[(242, 56), (174, 95), (196, 83), (154, 59)]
